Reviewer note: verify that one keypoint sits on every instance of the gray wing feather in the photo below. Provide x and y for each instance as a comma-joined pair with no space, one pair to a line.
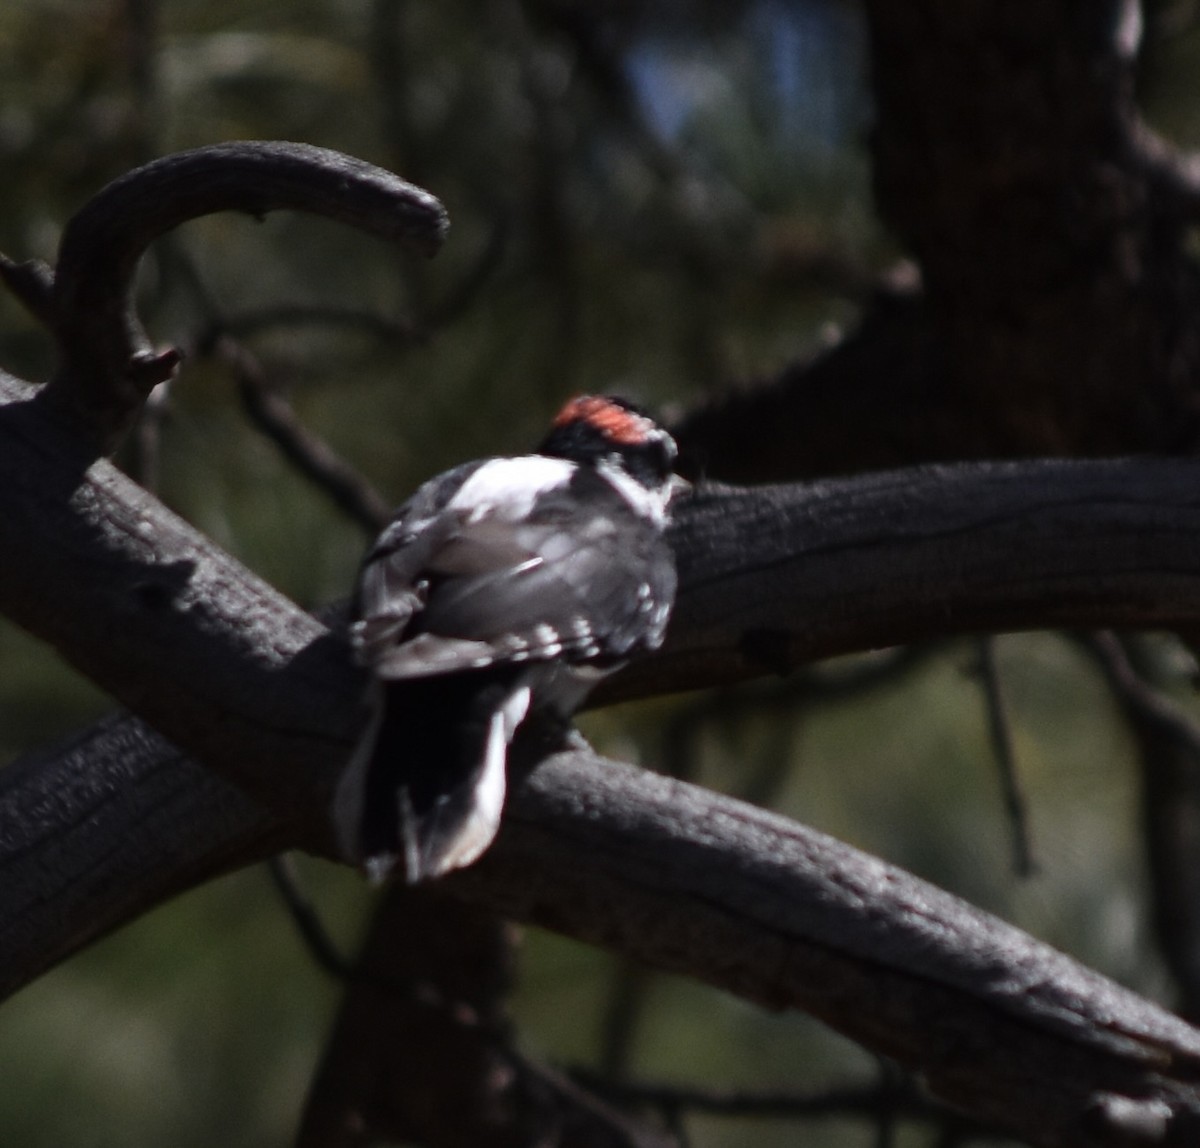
440,594
393,582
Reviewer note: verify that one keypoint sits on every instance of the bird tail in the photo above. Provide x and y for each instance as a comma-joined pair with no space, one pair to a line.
425,785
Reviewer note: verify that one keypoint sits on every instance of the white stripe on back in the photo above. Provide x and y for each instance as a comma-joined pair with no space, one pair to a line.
508,487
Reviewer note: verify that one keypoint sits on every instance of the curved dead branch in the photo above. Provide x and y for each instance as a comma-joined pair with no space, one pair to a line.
108,365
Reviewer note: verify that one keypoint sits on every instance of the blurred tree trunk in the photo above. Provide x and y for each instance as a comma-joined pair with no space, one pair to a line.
1057,310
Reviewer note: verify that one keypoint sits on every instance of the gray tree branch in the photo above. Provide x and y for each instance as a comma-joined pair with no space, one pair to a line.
693,882
265,697
995,1022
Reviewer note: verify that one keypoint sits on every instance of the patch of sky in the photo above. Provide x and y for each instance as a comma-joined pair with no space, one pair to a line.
804,59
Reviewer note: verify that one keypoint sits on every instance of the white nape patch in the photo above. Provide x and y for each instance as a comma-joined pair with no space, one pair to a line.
508,487
484,821
651,504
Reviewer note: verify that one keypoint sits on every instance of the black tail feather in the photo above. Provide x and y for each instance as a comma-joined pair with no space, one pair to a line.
410,796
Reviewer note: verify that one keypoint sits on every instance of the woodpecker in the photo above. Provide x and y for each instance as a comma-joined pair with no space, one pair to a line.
502,588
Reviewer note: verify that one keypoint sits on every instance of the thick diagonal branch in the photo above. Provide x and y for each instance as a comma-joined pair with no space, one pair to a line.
696,883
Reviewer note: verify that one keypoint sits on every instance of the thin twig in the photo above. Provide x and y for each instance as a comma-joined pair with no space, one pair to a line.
891,1100
893,1084
306,919
1000,735
396,332
1140,695
459,297
1168,745
622,1018
806,687
855,1100
311,455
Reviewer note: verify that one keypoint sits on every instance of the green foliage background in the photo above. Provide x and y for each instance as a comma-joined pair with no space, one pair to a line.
655,221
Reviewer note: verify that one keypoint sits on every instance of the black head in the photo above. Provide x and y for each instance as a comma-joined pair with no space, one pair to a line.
592,428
